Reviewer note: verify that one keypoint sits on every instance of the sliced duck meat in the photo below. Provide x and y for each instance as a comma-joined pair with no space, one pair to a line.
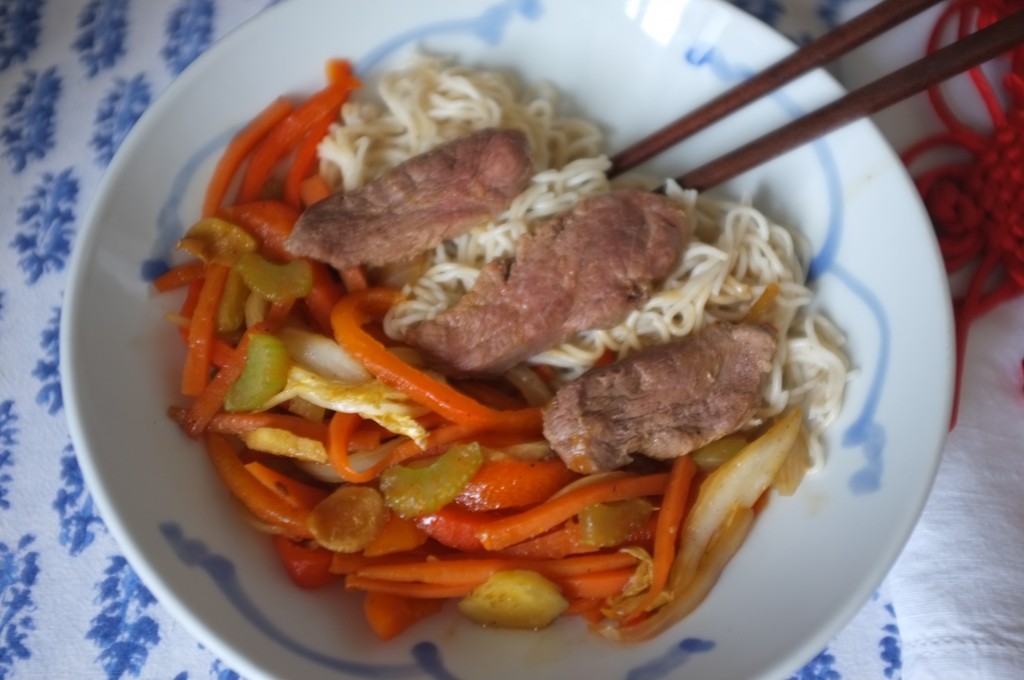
584,269
664,401
417,204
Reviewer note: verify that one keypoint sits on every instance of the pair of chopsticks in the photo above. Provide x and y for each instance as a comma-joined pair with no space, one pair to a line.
942,64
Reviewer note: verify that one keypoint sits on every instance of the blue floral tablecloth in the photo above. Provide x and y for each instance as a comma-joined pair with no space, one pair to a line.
74,77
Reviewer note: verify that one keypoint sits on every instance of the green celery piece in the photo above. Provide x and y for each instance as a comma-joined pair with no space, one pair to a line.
412,492
265,374
275,282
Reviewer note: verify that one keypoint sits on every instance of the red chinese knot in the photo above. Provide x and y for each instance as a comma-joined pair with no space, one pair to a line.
977,205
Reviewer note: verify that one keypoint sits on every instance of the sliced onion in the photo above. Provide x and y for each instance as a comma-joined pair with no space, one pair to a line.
794,468
322,355
534,390
717,524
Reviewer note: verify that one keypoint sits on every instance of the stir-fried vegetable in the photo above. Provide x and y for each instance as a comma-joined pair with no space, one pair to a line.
366,465
719,519
412,492
374,400
515,599
275,282
264,376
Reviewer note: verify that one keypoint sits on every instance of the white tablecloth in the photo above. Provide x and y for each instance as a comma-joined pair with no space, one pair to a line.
76,74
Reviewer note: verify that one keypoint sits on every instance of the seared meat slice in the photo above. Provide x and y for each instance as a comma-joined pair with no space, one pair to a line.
417,204
663,401
581,270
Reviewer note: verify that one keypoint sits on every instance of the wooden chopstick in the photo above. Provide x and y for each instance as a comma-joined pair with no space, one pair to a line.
973,50
845,37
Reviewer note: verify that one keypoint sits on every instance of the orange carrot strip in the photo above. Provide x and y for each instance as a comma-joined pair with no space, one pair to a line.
283,138
598,585
308,567
508,531
347,319
670,519
561,542
763,303
347,563
454,527
339,433
196,372
313,189
464,571
188,305
220,351
416,590
261,501
209,401
397,535
179,276
367,436
295,493
339,71
302,163
589,608
388,615
510,483
279,311
240,423
339,437
324,295
240,147
269,221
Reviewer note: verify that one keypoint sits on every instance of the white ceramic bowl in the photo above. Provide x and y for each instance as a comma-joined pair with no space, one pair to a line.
811,561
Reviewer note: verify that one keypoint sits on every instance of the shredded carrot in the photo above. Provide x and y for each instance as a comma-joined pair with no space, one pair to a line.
302,163
313,189
188,305
196,373
340,71
511,483
339,433
456,528
284,136
670,520
398,535
417,590
558,543
238,149
602,585
476,570
279,311
254,495
589,608
347,319
324,295
388,615
308,567
339,436
210,400
511,530
240,423
295,493
179,276
763,303
269,221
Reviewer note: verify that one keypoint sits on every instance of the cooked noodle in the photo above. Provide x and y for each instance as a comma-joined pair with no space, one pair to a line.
734,254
